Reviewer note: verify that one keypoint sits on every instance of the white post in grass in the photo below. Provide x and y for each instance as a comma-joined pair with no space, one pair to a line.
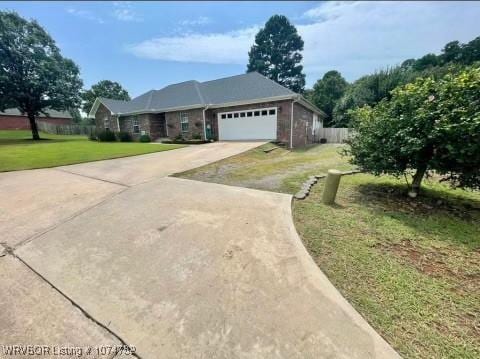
331,186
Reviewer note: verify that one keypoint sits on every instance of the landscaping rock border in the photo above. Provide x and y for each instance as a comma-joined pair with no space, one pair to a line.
312,180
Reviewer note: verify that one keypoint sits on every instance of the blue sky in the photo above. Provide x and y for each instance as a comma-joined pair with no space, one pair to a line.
147,45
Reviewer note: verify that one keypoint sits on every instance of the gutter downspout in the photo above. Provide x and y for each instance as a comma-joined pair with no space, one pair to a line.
291,124
118,124
204,124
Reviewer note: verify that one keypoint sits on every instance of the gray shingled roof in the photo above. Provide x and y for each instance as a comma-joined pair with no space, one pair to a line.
51,113
250,86
245,87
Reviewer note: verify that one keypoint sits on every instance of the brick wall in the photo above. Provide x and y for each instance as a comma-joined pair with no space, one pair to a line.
8,122
103,114
195,123
126,124
302,125
152,124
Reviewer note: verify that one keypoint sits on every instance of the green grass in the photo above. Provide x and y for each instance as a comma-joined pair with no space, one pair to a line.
279,170
19,152
410,267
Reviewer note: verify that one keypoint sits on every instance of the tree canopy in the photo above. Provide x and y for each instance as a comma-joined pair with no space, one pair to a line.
327,91
276,53
427,125
34,77
372,88
368,90
104,88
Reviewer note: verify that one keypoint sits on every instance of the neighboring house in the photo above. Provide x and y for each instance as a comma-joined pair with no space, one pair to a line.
243,107
12,119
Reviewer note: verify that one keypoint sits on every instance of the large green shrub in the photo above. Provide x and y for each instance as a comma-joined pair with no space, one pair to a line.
179,138
106,136
124,136
145,138
428,125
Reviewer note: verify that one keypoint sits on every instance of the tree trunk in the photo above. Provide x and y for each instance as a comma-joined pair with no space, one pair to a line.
33,126
417,180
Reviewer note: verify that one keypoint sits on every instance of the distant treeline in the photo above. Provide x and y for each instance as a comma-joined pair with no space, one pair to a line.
336,97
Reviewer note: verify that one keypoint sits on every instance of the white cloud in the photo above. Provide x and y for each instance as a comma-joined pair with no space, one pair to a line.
85,14
330,10
214,48
201,20
123,11
353,37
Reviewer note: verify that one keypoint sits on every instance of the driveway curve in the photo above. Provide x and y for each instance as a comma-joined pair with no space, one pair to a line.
185,269
114,252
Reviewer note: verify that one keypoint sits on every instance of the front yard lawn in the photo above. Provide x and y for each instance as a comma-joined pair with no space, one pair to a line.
410,267
279,170
19,152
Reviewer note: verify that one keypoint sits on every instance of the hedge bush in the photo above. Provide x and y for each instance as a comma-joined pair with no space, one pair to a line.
145,138
124,136
106,136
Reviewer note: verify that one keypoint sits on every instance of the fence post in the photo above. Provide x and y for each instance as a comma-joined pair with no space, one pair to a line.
331,186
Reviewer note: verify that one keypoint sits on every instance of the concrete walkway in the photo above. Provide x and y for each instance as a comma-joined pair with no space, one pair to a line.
176,268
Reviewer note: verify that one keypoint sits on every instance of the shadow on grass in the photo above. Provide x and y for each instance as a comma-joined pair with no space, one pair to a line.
29,141
447,215
441,197
310,148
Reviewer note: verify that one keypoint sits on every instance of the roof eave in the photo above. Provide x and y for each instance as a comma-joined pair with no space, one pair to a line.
95,106
310,106
160,110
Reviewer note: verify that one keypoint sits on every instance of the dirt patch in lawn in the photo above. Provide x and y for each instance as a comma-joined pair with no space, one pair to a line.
278,170
436,262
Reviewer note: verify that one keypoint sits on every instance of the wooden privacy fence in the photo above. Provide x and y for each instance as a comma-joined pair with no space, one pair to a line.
333,135
65,129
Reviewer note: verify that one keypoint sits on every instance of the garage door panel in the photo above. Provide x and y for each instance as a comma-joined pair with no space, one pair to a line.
248,128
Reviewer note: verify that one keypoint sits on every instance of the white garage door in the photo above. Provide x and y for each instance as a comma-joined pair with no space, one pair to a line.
256,124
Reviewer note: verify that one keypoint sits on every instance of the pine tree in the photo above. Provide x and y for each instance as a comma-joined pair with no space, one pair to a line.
276,53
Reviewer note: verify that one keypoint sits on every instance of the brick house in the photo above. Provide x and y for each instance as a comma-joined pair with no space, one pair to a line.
242,107
12,119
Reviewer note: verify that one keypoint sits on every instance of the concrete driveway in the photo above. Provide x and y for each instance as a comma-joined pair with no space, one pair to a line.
176,268
34,201
138,169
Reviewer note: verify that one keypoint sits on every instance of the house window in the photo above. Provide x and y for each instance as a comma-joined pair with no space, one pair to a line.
271,112
224,115
256,113
235,115
249,114
242,114
229,115
106,124
136,125
264,113
184,121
